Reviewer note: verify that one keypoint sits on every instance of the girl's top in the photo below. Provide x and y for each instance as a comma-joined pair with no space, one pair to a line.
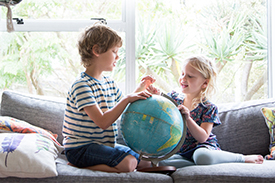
206,112
78,128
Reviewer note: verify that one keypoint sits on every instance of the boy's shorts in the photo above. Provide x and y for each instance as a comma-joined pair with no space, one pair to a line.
95,154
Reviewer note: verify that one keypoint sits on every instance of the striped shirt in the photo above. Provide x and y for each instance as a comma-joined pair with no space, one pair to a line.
78,128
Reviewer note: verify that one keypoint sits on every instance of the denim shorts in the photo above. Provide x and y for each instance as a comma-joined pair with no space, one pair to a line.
95,154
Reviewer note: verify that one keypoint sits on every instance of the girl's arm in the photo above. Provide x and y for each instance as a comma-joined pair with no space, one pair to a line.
200,133
104,120
145,83
153,90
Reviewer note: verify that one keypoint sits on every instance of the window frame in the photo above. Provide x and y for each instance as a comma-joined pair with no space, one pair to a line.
270,47
126,24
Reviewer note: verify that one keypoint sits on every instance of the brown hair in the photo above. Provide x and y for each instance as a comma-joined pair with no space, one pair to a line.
101,36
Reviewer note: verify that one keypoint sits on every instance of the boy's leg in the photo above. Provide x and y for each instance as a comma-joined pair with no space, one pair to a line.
103,158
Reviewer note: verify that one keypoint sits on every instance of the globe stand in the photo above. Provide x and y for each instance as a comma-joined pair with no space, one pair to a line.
155,160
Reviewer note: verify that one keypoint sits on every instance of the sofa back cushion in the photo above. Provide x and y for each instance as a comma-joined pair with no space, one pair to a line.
243,129
47,113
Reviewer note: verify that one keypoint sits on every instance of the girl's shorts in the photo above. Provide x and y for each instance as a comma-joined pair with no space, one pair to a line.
95,154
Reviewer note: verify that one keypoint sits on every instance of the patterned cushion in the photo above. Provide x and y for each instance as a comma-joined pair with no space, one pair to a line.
27,155
269,115
19,126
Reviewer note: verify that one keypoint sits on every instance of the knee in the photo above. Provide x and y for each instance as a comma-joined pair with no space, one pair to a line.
203,157
128,164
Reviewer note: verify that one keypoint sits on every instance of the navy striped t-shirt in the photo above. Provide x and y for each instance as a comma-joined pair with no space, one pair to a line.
78,128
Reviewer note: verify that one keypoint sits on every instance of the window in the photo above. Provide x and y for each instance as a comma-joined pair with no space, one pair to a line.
41,56
231,32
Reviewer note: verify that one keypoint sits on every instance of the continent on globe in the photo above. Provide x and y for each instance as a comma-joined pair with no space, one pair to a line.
152,127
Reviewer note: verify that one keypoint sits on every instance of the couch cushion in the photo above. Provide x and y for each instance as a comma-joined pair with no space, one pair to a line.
68,173
227,172
243,129
27,155
269,115
9,124
47,113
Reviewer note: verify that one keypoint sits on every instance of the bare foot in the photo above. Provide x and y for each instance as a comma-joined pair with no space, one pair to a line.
258,159
71,164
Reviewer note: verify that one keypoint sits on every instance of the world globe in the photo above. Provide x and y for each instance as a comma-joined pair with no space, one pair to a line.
153,127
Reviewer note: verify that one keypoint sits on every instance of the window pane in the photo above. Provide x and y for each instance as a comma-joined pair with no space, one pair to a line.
66,9
45,63
231,32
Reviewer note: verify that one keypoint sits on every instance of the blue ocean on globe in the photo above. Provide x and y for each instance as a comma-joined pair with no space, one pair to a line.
152,127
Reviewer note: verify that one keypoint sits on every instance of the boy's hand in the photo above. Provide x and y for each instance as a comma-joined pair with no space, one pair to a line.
137,96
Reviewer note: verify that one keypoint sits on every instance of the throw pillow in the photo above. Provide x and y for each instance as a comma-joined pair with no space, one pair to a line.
269,115
19,126
27,155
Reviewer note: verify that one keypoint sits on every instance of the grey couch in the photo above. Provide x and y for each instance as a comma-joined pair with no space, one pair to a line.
243,130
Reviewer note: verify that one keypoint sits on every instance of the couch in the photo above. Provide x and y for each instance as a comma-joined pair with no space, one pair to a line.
243,130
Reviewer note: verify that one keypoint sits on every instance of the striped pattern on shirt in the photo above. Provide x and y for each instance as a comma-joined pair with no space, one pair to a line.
78,128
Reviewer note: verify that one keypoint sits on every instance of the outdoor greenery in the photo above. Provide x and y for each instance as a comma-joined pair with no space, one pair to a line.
231,32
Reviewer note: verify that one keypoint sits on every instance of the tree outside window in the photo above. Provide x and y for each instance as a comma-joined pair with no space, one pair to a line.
231,32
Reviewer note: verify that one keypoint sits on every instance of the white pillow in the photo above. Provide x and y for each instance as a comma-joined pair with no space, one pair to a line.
27,155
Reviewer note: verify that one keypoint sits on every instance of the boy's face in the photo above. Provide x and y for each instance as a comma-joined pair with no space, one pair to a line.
109,58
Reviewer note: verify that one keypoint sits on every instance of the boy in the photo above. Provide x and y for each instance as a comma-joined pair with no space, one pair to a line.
94,103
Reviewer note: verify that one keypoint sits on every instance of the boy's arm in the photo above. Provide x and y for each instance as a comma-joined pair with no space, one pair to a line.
104,120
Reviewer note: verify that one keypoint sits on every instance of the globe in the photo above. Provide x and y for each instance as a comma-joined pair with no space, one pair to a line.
152,127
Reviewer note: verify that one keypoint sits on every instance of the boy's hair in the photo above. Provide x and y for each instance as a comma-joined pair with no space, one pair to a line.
101,36
208,70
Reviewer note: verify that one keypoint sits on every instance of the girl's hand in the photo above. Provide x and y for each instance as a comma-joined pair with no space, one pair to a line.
146,81
200,133
153,90
185,111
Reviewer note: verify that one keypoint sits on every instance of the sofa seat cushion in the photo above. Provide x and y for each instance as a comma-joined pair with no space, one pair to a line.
68,173
227,172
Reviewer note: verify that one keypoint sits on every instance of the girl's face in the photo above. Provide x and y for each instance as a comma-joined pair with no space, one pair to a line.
192,81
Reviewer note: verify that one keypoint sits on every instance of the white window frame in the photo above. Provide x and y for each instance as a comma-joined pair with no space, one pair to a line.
126,24
271,47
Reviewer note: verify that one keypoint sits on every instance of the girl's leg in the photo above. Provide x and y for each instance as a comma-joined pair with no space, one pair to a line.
177,161
204,156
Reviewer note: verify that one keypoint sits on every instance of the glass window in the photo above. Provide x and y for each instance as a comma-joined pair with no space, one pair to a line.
67,9
233,33
41,56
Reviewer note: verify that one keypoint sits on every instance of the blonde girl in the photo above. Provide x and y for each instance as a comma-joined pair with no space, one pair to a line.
198,84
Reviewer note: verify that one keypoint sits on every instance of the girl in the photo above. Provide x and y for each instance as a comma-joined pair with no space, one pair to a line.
198,84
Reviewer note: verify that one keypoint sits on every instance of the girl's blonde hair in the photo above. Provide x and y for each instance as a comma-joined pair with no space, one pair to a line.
208,70
101,36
